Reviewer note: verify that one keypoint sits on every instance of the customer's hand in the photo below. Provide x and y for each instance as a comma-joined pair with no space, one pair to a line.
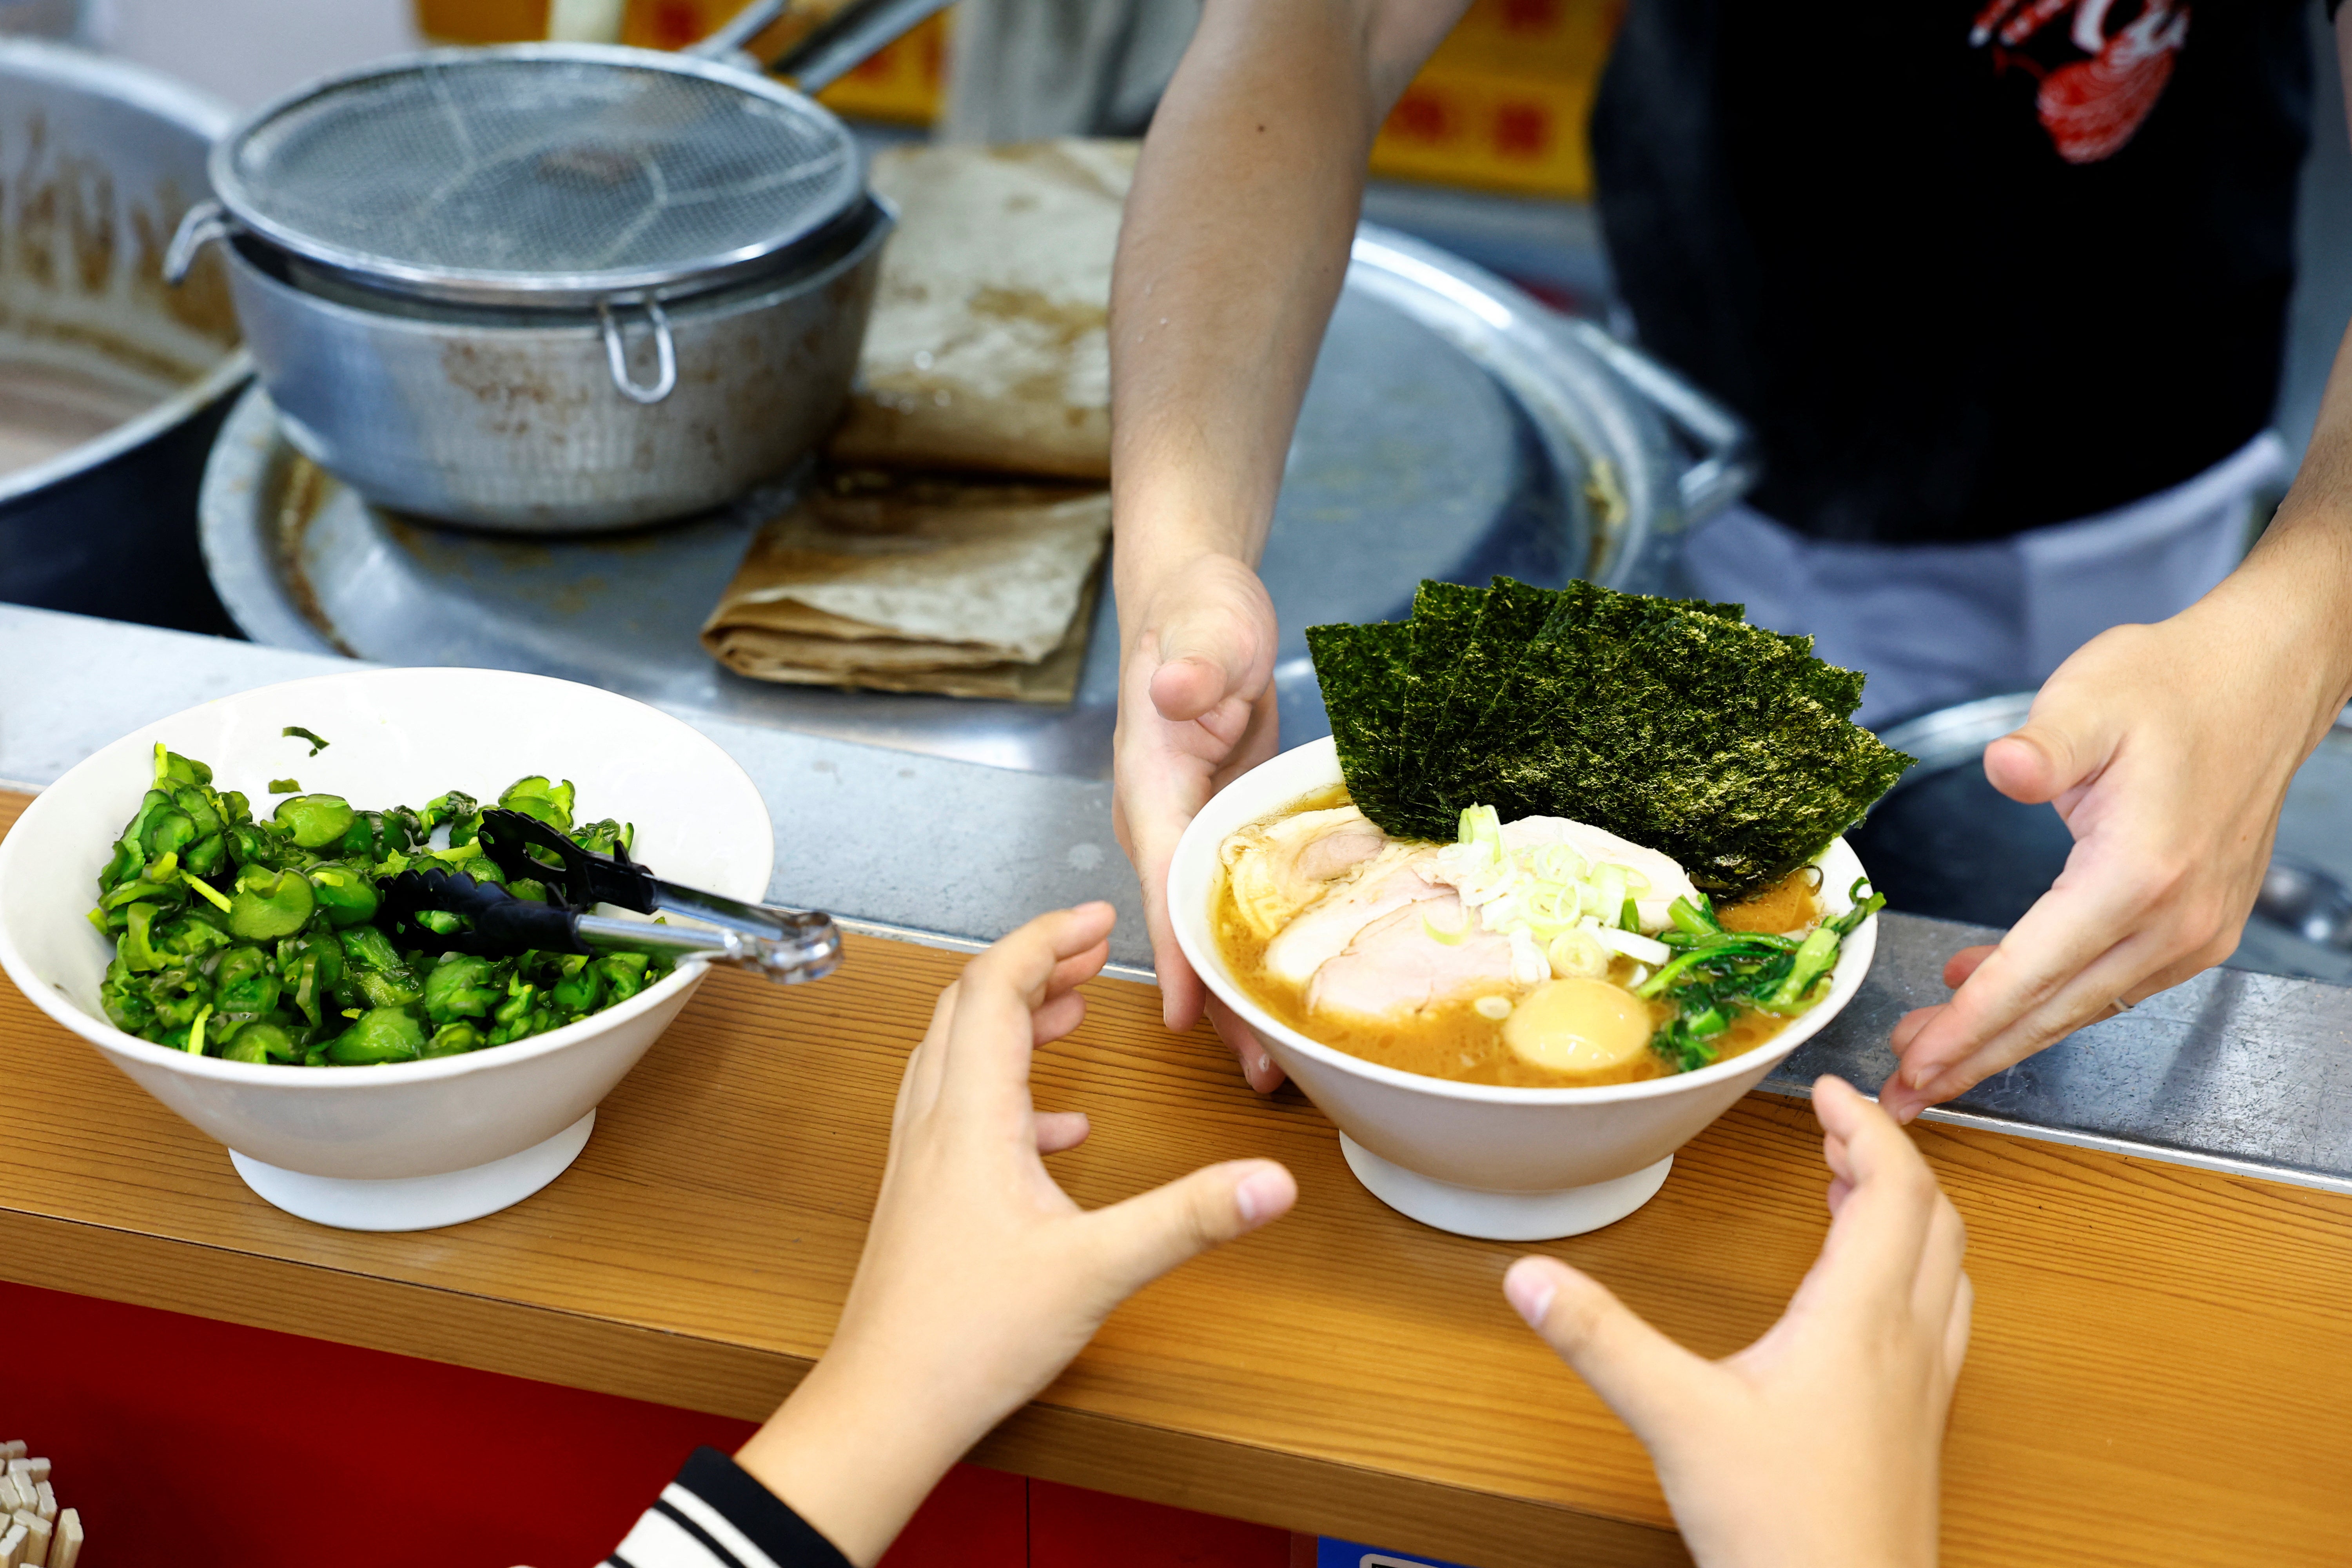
981,1278
2167,750
1820,1445
1196,707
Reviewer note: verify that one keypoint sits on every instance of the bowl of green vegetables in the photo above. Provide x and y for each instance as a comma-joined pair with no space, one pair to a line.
202,901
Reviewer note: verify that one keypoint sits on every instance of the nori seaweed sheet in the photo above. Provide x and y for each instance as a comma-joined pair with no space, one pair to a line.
1445,616
1514,612
1671,723
1361,672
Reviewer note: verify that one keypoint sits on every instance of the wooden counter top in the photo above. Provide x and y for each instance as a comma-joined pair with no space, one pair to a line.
2161,1373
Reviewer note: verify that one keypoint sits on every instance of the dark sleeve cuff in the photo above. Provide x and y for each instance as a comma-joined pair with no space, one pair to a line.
760,1518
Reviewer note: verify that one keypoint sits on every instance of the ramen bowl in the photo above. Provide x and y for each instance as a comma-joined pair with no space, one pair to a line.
408,1145
1491,1161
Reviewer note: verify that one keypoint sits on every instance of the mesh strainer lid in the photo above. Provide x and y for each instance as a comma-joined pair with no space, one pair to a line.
540,173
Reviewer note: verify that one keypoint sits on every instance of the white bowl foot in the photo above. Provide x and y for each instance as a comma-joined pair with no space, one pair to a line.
416,1202
1503,1217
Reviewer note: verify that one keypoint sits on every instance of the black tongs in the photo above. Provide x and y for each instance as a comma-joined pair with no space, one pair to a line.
788,946
525,846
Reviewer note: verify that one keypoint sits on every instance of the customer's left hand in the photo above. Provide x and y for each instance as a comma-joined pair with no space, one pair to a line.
2167,749
981,1278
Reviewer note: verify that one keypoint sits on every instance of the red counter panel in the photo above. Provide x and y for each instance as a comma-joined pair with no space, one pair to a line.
206,1444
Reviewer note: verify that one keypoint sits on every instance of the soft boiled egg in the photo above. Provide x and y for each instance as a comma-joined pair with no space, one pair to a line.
1577,1026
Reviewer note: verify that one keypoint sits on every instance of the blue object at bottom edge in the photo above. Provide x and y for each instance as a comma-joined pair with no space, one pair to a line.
1331,1553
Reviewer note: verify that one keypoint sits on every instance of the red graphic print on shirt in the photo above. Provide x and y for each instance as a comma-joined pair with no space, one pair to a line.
2093,106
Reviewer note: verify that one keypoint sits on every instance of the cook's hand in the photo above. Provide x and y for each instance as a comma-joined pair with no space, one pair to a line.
981,1278
1819,1445
2167,750
1196,707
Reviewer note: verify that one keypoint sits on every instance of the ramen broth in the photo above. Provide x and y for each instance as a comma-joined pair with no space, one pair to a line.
1451,1039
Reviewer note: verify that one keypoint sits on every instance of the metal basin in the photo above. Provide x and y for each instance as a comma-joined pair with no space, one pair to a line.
111,385
511,421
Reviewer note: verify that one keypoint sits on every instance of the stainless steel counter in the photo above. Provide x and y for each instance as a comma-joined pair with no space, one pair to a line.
2233,1070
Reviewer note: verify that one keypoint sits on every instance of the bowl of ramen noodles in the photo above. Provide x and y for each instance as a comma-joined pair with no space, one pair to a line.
1518,968
1519,1083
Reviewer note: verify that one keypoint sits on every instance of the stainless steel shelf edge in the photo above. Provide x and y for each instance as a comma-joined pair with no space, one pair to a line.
2232,1071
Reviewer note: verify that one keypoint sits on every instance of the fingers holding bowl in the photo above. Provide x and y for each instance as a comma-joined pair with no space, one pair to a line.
1149,823
1259,1068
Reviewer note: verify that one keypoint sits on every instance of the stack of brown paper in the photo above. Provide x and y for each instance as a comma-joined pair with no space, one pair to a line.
986,353
988,347
904,583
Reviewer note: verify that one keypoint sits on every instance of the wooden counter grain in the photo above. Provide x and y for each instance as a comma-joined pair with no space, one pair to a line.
2161,1373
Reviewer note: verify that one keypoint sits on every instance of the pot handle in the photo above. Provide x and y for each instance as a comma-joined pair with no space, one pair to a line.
199,226
616,357
830,50
1726,465
738,31
848,39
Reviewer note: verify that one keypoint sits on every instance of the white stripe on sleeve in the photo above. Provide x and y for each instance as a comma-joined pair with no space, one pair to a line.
717,1525
658,1541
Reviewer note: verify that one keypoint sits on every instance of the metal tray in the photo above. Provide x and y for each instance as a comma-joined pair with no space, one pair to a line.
1455,428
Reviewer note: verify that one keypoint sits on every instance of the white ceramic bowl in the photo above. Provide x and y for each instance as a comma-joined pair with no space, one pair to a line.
1484,1160
413,1144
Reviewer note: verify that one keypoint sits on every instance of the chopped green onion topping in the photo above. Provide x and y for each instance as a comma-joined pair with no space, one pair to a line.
1449,938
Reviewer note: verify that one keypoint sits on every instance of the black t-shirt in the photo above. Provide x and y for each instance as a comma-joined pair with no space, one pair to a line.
1961,283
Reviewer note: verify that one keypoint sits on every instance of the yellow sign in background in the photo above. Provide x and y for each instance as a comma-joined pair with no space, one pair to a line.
1502,106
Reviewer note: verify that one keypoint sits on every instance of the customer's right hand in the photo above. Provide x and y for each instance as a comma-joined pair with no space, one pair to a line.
981,1279
1196,707
1818,1446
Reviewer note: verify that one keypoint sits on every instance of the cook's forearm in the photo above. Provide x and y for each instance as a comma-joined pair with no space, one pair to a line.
2297,583
2295,588
1234,249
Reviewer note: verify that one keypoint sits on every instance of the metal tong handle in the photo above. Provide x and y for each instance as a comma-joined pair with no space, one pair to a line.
810,954
832,48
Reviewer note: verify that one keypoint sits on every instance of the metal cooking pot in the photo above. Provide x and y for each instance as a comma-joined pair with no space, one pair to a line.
511,422
112,387
424,364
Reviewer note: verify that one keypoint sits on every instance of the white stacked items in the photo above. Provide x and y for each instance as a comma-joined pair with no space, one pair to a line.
34,1532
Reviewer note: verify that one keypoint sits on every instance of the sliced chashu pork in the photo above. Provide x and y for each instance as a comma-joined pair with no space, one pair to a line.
1394,965
1277,869
1387,882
